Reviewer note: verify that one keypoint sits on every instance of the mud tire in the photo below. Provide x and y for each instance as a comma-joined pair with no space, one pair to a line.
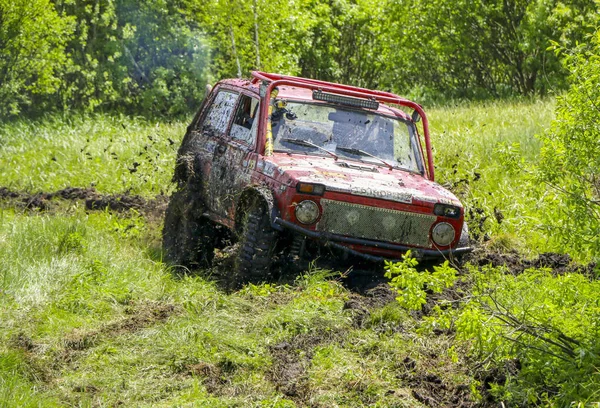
256,245
188,238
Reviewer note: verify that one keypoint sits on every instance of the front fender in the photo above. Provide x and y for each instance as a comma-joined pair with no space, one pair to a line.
264,194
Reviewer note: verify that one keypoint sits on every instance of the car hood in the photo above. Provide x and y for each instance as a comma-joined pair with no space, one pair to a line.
357,178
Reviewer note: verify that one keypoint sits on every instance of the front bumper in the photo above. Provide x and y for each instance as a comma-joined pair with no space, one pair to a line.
334,240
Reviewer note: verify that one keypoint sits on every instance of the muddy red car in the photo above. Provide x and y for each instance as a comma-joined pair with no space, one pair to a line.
287,165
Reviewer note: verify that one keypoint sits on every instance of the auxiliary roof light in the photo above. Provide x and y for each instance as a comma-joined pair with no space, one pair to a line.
345,100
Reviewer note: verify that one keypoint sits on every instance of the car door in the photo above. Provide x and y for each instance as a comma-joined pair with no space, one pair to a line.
235,158
211,142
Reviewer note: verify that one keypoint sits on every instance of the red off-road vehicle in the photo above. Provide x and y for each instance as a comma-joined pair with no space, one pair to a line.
286,161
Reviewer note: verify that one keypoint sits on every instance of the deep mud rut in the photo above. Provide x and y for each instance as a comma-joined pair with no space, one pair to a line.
93,200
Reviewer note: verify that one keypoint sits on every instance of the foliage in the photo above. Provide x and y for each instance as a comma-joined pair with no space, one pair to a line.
154,57
33,37
545,323
570,164
476,49
413,285
548,323
132,56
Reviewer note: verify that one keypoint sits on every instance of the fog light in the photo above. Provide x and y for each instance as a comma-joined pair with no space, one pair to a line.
307,212
443,234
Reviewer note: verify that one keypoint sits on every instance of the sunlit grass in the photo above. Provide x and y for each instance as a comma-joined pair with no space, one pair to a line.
112,154
485,153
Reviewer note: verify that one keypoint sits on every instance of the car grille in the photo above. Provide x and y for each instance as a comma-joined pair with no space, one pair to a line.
374,223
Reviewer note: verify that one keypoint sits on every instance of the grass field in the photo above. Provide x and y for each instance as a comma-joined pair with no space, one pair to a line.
91,316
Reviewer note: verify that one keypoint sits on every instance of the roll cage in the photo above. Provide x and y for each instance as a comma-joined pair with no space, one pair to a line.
268,82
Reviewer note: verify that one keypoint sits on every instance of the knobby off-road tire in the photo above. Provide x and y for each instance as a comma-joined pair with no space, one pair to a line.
256,244
188,238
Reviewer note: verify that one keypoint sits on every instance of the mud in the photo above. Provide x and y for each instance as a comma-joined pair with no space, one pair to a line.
515,263
92,199
142,316
360,306
212,375
291,360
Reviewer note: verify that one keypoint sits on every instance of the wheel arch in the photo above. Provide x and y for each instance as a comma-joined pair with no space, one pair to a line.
266,197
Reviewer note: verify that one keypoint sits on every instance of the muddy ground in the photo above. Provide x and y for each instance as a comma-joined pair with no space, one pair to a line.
92,199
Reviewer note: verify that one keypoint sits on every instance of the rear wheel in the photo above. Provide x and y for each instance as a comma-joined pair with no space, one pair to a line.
256,244
188,238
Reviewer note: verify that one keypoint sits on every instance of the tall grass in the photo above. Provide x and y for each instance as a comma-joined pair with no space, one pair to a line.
485,153
113,154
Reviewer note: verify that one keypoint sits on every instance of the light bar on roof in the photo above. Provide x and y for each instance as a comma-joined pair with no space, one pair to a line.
345,100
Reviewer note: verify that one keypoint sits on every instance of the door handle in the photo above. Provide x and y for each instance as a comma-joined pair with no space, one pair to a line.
222,148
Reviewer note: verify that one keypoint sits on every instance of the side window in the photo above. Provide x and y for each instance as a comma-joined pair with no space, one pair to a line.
246,120
220,112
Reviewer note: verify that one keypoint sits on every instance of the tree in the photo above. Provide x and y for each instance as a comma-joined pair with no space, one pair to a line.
133,56
32,52
493,48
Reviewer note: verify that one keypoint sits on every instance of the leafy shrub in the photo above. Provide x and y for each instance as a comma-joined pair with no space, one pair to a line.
570,163
548,324
412,285
32,52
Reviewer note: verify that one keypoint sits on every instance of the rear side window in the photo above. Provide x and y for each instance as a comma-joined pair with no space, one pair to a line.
220,112
245,121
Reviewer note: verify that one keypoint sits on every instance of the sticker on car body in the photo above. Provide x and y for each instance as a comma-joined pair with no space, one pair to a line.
398,196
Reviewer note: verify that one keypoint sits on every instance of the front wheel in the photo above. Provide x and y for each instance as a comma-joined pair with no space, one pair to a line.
256,244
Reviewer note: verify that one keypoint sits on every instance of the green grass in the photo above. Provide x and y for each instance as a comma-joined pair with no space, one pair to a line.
484,152
96,151
91,316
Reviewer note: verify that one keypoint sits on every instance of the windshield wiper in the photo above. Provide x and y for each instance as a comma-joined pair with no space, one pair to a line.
306,143
359,152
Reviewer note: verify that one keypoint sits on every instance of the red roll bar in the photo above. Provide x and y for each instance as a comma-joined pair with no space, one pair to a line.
274,80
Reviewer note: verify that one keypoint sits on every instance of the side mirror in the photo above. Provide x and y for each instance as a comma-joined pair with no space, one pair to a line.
416,117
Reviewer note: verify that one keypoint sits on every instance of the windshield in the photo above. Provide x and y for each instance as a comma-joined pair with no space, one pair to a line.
345,133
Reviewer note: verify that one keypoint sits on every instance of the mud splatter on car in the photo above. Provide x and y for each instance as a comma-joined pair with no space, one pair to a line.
290,165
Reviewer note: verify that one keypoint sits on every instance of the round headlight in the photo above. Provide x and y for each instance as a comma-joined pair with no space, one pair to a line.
443,234
307,212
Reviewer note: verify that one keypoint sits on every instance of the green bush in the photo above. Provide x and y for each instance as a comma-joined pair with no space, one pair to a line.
32,52
570,163
545,324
